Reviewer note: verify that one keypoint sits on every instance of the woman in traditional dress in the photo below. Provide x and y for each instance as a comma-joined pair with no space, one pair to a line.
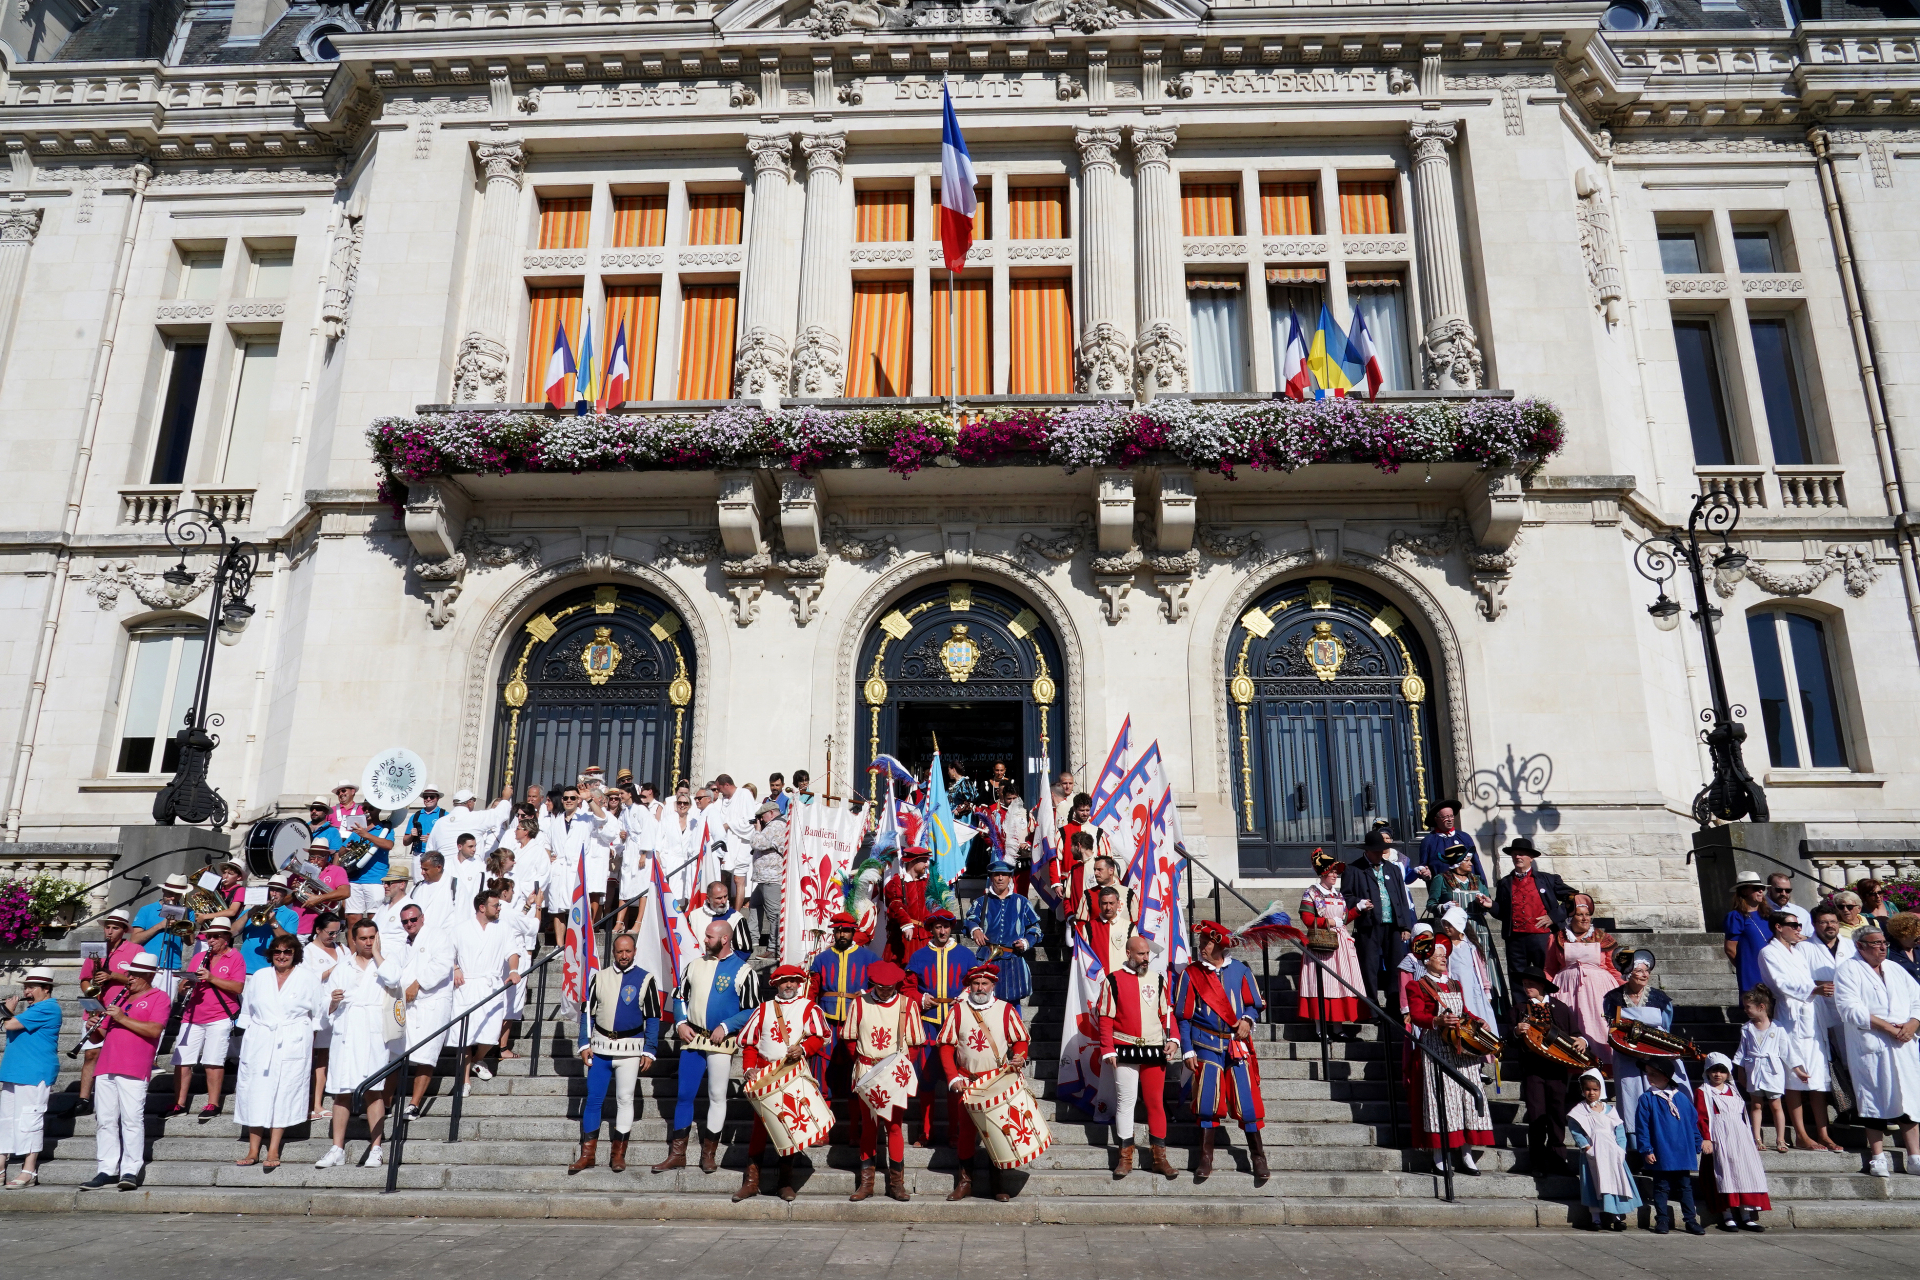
1458,885
1466,963
1322,907
1580,962
1739,1179
1636,998
1606,1184
1435,1004
360,998
278,1009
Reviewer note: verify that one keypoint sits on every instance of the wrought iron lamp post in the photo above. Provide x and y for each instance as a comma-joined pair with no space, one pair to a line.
188,798
1732,794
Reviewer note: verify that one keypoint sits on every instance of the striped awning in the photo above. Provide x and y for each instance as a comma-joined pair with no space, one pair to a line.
1296,275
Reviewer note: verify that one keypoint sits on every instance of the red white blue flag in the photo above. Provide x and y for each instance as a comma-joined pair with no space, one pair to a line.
1362,361
560,370
957,199
578,963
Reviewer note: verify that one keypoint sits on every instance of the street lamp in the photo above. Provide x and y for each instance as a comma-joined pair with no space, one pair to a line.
188,798
1732,794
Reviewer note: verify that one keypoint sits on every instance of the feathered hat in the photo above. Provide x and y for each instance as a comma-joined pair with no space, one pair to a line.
1323,861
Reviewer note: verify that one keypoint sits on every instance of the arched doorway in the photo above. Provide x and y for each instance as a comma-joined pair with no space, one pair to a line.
600,676
1332,726
971,665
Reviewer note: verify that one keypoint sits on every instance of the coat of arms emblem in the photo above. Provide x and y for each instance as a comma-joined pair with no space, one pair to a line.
1325,653
959,654
601,657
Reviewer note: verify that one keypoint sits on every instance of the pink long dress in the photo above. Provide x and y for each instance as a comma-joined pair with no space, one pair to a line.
1584,982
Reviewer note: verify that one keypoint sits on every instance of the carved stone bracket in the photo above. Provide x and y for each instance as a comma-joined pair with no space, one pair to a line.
1492,590
1127,562
1173,595
819,368
1854,564
477,550
1103,361
1496,504
1114,590
805,593
760,365
746,601
1491,567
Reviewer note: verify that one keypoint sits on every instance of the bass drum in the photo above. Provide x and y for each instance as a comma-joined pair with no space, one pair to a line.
274,842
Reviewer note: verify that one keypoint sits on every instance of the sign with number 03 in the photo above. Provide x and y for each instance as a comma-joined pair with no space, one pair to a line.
394,779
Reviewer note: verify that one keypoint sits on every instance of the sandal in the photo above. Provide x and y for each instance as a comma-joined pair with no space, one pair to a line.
1834,1146
1781,1146
269,1164
247,1162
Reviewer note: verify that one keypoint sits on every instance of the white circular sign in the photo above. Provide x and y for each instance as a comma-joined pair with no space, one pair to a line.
394,779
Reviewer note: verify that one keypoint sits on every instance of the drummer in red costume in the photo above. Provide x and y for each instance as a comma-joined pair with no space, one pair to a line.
1107,932
936,975
982,1034
907,904
1138,1038
784,1029
838,976
883,1024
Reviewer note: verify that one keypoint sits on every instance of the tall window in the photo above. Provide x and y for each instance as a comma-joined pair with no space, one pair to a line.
1774,359
1366,208
1292,291
639,222
1289,209
553,310
252,399
982,213
177,411
974,326
715,217
635,308
707,316
1706,398
1042,335
1217,317
1798,705
1037,213
563,222
1680,253
161,671
882,345
1380,297
1210,209
1754,252
882,216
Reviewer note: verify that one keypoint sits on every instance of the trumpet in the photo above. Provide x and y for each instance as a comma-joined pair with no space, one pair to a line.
262,914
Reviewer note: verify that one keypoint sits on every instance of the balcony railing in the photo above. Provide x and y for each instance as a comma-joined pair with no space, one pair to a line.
1746,486
1805,488
150,506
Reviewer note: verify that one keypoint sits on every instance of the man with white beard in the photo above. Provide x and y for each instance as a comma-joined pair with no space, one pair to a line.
983,1033
393,934
426,958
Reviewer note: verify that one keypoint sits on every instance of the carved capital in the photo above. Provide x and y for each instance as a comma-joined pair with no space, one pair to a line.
480,371
20,226
1152,145
819,369
1104,361
824,151
760,364
503,161
1099,148
1159,360
1430,139
771,152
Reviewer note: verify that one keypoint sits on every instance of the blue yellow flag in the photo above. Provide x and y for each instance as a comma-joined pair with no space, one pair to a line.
1325,352
949,853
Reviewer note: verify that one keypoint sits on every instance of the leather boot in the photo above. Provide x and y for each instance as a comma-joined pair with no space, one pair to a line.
897,1184
749,1185
1124,1165
962,1184
787,1189
1260,1171
709,1153
1161,1165
588,1148
1000,1192
617,1160
676,1154
1204,1169
865,1187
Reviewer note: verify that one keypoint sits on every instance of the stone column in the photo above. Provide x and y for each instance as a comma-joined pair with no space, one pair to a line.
760,357
1104,342
1160,350
819,354
1449,348
19,225
480,368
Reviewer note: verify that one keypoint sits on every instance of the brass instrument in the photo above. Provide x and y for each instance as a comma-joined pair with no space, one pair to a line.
91,988
1645,1041
183,928
205,904
304,888
1537,1034
262,914
1470,1037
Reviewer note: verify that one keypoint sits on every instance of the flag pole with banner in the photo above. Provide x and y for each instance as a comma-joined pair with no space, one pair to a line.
577,978
1083,1079
666,941
957,205
1115,768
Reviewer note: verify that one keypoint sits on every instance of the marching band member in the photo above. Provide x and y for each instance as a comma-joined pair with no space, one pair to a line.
486,956
880,1024
936,975
718,906
273,919
363,862
333,894
906,897
279,1008
419,827
360,996
1139,1037
107,977
213,1002
28,1070
1005,929
715,999
149,929
785,1029
624,1016
1216,1003
836,978
426,957
982,1035
135,1018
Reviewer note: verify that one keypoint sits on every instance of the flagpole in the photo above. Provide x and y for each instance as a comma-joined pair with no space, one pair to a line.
953,350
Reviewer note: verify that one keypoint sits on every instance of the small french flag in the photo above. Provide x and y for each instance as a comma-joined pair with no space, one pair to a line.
957,200
560,370
1362,361
1293,361
614,389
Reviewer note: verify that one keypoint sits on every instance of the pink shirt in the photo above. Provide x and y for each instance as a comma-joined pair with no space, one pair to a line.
333,878
213,1004
127,1054
116,961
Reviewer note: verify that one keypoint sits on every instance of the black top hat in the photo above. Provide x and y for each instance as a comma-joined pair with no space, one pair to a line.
1522,844
1534,972
1433,810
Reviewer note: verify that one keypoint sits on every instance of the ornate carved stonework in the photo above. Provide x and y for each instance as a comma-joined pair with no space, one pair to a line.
1450,356
1103,360
1491,568
1160,359
848,547
478,550
343,273
1604,284
687,551
819,369
1064,547
1099,148
1152,145
1854,564
20,224
760,364
1429,140
480,371
111,577
503,161
824,151
830,18
772,153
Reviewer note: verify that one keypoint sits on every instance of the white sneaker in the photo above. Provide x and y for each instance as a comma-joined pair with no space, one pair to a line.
413,1112
1880,1166
334,1156
373,1158
480,1071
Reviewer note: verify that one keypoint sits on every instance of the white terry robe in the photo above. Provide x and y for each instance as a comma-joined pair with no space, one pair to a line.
1790,972
1886,1075
482,955
427,960
276,1054
360,1046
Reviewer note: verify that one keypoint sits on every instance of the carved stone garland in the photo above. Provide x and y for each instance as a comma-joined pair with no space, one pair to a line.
477,550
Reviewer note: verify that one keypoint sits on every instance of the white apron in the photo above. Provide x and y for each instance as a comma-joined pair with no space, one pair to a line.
1606,1158
1736,1163
276,1054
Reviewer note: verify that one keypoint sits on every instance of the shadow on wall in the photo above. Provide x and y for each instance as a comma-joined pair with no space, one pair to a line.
1513,795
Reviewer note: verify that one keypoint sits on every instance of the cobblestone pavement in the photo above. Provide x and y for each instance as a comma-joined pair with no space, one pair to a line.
194,1246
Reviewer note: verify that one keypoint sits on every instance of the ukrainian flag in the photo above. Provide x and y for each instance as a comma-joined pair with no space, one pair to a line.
586,376
1325,352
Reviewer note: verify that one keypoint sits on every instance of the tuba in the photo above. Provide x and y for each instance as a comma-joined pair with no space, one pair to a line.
1537,1034
1644,1041
205,904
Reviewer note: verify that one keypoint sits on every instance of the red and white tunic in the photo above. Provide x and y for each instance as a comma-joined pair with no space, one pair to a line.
776,1026
979,1040
1108,942
1135,1009
875,1029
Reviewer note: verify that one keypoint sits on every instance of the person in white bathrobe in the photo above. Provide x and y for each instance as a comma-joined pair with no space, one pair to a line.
279,1007
1790,966
486,959
426,960
1879,1008
360,996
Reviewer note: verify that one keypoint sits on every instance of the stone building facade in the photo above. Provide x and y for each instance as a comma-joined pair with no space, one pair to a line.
232,238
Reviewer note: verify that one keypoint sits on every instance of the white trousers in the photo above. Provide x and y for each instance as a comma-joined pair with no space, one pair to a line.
626,1077
719,1071
203,1044
120,1120
23,1118
1126,1092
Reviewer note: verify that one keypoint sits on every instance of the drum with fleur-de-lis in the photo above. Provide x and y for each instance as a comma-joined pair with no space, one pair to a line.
789,1103
886,1087
1004,1111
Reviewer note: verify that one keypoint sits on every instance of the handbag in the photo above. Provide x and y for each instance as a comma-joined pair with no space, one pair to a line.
1321,938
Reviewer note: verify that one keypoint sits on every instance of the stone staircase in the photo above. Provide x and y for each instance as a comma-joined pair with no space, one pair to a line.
1331,1138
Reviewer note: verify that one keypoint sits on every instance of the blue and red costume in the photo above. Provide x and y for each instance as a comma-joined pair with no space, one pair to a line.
939,972
835,981
1210,1003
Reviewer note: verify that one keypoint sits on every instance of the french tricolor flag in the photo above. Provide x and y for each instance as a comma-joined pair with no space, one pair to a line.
614,389
1298,382
957,201
1362,361
560,370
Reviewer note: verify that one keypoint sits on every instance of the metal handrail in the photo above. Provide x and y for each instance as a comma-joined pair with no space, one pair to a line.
1811,873
146,885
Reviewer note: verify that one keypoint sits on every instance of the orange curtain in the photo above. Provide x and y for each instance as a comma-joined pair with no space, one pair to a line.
973,316
1210,209
715,219
882,346
635,307
1042,324
1037,213
706,340
551,309
563,223
882,215
639,222
982,223
1366,208
1287,209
